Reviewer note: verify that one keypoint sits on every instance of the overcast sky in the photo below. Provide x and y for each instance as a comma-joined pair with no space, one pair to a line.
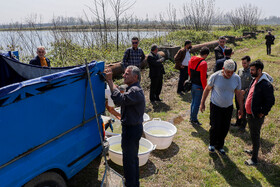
19,10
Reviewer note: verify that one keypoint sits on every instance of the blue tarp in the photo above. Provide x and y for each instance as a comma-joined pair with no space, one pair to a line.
13,71
13,87
35,111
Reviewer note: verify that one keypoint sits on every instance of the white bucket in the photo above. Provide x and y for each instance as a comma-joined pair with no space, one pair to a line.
117,124
116,156
146,117
159,132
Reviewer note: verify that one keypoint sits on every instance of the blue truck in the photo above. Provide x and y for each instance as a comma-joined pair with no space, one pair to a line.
48,126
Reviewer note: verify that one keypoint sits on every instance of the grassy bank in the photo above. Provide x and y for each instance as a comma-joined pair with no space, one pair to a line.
187,161
66,53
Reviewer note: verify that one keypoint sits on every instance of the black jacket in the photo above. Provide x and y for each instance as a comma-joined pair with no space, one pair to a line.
263,96
269,39
220,64
218,52
36,61
155,65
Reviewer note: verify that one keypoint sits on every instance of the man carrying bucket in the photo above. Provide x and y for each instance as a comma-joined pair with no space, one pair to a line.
132,103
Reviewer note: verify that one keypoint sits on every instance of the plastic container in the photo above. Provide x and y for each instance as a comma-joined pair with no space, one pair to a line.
146,117
117,124
116,156
159,132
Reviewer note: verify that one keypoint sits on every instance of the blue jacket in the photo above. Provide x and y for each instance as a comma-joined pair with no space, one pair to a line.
36,61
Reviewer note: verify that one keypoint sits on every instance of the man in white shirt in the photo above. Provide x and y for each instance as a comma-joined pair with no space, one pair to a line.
181,63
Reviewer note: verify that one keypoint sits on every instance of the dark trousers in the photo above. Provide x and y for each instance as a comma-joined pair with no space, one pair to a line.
255,125
268,49
220,122
155,88
182,78
240,122
130,144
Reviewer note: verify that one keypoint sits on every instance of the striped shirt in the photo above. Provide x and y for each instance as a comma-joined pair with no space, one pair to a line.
133,57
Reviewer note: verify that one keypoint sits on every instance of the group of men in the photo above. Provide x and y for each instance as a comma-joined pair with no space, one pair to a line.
251,86
254,96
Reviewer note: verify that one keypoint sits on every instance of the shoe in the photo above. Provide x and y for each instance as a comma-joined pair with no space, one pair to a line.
211,149
250,162
222,151
195,122
249,152
158,99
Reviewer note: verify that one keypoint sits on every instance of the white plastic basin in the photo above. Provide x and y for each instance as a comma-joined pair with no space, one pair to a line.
146,117
117,124
160,133
116,156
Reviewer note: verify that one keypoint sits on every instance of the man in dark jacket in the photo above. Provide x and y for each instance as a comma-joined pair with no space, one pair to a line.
40,59
181,63
269,41
219,50
259,101
220,62
156,73
132,103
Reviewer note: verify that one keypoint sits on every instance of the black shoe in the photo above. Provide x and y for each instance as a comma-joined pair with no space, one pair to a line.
222,151
249,152
158,99
211,149
195,122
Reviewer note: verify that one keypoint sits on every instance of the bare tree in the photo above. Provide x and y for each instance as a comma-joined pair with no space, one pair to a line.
119,7
198,14
172,16
99,11
245,16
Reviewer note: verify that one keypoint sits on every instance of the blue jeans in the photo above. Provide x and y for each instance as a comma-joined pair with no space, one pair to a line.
130,144
196,98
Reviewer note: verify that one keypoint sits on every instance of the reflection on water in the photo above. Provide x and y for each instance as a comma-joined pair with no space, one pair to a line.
27,41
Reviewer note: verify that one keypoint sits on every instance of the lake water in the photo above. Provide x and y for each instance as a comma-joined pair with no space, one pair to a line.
27,41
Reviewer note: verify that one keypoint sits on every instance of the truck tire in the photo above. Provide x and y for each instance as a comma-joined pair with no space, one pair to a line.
48,179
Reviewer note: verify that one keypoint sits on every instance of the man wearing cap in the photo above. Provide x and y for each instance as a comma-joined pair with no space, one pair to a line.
156,73
223,85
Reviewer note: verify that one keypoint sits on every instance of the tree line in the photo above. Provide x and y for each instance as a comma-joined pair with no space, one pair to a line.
96,26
